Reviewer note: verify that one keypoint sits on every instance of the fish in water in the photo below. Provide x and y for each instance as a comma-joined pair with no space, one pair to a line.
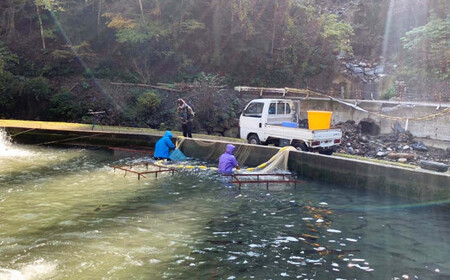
100,207
224,242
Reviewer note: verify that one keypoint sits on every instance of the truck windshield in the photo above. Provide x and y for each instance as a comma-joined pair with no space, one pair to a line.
254,110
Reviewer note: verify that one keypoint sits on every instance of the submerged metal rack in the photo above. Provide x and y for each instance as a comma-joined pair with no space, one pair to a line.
128,168
283,178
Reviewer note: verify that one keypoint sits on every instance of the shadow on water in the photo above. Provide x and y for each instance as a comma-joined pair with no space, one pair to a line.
150,196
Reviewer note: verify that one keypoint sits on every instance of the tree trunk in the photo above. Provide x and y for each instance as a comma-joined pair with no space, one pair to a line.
40,25
181,15
274,25
11,26
99,13
217,31
142,9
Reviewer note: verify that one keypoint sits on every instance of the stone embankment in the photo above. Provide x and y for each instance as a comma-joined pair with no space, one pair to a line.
399,146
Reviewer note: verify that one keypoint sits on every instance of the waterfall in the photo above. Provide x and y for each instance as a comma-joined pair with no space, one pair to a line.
8,149
5,142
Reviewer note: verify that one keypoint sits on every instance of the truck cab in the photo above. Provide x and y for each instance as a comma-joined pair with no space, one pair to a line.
275,121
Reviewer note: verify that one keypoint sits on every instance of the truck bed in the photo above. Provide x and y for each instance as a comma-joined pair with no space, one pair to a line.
284,132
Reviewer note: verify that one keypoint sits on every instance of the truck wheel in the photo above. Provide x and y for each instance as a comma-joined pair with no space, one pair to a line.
301,146
253,139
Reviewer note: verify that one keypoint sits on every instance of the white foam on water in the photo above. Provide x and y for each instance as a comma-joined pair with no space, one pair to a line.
334,230
39,269
7,149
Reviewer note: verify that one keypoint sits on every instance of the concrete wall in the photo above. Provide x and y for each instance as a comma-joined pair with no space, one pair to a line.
437,128
417,185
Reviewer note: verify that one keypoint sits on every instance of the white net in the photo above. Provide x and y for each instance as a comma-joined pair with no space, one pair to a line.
278,162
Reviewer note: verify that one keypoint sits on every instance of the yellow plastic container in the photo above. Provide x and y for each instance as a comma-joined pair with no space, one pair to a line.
319,119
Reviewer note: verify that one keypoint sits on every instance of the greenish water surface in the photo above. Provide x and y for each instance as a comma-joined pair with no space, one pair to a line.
65,214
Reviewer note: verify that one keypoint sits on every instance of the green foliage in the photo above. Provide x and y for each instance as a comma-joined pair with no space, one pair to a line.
63,107
7,101
38,88
427,49
391,93
274,43
337,33
147,105
7,59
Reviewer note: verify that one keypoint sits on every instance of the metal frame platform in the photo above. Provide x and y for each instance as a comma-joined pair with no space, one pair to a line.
128,168
285,178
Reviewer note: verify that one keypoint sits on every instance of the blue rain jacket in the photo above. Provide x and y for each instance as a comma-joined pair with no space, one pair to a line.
163,145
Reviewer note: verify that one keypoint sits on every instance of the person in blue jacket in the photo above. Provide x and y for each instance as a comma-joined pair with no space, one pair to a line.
163,146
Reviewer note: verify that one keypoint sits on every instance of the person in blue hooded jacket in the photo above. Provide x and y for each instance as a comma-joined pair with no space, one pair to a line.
163,146
227,161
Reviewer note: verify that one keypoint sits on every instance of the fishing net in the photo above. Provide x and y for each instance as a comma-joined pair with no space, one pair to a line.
242,152
177,155
278,162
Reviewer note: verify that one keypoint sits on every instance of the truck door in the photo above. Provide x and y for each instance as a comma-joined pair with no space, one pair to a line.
251,119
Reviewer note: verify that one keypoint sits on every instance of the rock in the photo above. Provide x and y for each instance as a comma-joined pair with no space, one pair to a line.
432,165
357,70
402,160
363,139
350,151
406,147
379,70
397,128
419,146
369,71
349,144
381,154
400,155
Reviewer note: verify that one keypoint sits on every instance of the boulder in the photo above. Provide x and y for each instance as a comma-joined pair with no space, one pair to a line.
400,155
419,146
432,165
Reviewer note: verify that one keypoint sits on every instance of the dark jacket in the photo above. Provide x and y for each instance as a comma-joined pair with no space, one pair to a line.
185,113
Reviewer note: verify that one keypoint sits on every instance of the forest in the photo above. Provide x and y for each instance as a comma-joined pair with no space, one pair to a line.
59,57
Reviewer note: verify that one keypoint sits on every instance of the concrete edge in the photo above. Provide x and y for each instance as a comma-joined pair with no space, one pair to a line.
418,185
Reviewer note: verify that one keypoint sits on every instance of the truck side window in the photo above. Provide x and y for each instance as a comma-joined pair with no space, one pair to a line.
254,110
272,109
280,108
288,108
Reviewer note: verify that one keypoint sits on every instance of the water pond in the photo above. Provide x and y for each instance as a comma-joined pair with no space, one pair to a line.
65,214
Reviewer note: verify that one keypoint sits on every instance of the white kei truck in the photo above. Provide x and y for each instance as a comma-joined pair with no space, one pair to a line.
275,121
